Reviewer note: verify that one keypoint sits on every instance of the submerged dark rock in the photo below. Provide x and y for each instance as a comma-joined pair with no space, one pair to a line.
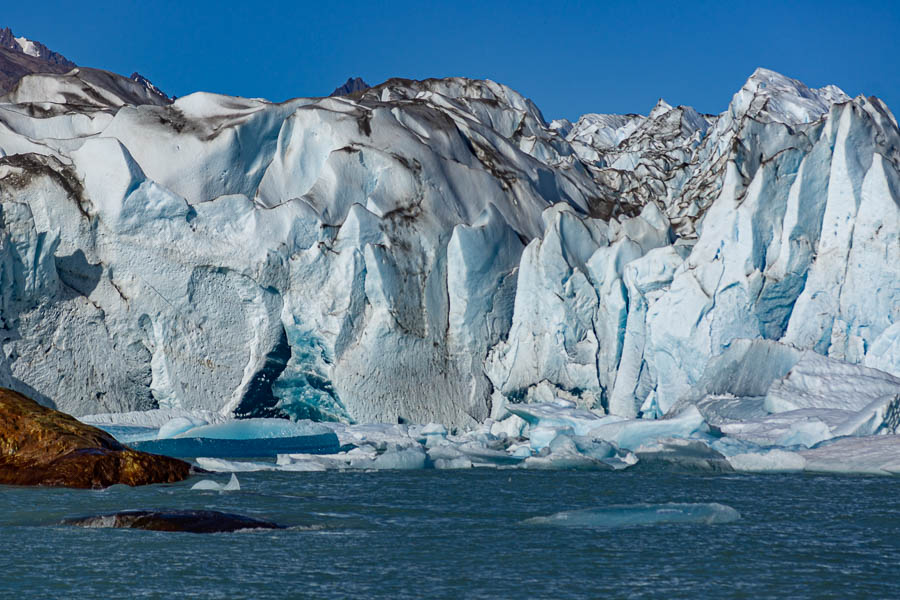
42,446
189,521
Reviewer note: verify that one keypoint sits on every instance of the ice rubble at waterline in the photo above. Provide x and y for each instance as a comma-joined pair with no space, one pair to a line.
567,294
720,432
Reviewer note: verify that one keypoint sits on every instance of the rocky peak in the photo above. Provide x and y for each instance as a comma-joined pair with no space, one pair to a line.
32,48
353,84
150,87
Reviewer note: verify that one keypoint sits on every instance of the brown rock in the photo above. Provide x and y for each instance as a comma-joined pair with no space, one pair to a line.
42,446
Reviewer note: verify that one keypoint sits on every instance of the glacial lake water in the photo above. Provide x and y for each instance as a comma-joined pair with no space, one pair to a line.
464,534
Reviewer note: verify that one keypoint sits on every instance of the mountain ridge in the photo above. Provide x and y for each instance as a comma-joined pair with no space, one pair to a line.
20,56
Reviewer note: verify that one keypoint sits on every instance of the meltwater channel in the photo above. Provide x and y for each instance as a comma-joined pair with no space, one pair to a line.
468,534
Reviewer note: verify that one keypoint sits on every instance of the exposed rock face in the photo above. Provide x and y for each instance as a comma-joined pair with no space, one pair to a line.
42,446
189,521
141,80
20,56
353,84
9,41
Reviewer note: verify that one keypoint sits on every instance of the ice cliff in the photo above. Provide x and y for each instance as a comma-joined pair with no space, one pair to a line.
435,251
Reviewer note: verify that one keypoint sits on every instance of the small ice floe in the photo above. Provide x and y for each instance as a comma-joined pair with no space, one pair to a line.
233,485
631,515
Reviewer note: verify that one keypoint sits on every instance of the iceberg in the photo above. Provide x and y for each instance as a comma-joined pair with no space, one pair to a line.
220,465
177,426
820,382
634,433
392,458
769,461
255,429
634,515
877,455
243,439
682,454
233,485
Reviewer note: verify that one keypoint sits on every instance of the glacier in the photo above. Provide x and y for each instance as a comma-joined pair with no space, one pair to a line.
718,289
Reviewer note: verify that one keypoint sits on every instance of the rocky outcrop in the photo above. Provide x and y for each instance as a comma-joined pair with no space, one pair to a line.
189,521
21,56
42,446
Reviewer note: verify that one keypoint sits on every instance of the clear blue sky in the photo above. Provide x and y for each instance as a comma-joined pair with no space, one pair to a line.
569,57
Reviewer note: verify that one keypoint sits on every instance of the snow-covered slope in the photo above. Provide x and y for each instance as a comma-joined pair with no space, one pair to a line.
435,251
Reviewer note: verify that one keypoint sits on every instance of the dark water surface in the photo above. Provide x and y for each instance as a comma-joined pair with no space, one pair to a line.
461,534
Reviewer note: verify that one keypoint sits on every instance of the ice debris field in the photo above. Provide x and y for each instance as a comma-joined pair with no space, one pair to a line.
713,291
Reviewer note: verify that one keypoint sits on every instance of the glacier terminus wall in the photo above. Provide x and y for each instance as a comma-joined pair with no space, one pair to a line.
435,250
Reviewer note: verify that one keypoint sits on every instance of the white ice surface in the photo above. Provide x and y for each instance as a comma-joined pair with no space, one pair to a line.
233,485
251,429
611,517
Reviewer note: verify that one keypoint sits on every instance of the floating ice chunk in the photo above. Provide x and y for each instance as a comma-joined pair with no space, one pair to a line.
542,436
568,462
692,455
184,447
243,439
400,459
378,434
807,427
482,456
807,432
218,465
511,427
448,456
453,463
820,382
304,467
361,457
611,517
154,418
129,434
366,457
256,429
179,425
566,451
208,485
519,450
874,455
880,416
431,434
433,429
233,485
560,414
633,433
768,461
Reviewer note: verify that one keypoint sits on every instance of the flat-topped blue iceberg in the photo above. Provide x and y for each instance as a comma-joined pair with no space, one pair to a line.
249,438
